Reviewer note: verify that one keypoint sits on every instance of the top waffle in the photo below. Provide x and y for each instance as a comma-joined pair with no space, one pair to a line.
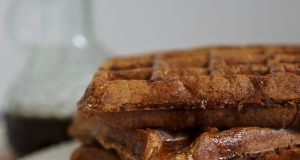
217,86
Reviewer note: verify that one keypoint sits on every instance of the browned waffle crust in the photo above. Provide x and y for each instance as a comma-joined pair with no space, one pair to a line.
93,153
205,143
236,143
214,86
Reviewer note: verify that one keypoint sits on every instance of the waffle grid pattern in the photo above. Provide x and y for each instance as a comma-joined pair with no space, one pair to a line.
247,60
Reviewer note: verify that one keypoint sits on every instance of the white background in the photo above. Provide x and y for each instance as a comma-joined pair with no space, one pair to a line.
134,26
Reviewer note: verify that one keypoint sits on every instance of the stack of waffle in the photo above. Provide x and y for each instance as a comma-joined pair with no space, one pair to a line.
221,102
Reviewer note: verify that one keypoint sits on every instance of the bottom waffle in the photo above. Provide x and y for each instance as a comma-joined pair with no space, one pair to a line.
206,143
93,153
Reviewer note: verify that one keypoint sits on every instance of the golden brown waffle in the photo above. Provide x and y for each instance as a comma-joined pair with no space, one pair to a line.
226,86
236,143
93,153
209,143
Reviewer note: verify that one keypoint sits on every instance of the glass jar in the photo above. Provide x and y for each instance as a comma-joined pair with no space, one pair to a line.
42,99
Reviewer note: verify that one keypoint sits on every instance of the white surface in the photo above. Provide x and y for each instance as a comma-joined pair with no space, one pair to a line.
62,151
134,26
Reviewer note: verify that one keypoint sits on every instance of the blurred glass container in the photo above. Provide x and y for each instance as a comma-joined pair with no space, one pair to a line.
42,100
